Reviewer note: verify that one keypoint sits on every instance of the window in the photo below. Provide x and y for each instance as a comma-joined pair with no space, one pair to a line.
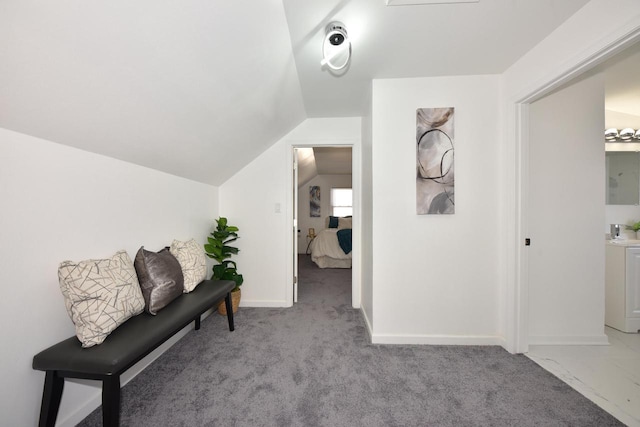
341,202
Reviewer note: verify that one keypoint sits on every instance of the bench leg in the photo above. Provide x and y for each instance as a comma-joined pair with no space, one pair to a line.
197,321
227,303
51,396
111,401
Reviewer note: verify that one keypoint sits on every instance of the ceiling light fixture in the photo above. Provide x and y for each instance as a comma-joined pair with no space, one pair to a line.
336,47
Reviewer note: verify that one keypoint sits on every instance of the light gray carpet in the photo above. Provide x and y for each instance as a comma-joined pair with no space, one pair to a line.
313,365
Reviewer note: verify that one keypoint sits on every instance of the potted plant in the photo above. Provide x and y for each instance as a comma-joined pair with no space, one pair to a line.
218,248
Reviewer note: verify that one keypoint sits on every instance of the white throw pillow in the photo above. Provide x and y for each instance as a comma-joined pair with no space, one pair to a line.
190,256
344,223
100,295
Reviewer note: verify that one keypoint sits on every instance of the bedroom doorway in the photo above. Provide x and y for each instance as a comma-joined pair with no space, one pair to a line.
319,172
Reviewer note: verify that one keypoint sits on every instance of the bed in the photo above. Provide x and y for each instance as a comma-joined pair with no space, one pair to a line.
331,248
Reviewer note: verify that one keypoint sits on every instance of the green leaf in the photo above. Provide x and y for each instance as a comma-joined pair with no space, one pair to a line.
231,240
238,279
230,250
220,235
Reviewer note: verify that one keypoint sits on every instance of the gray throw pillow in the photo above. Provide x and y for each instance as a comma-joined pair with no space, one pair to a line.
160,278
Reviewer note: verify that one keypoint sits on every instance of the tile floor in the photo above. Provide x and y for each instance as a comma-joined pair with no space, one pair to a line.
607,375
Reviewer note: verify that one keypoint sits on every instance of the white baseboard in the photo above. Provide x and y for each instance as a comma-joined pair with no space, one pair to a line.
438,339
569,340
82,412
367,323
432,339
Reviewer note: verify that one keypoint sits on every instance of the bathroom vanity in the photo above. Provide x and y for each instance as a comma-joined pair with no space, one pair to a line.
622,285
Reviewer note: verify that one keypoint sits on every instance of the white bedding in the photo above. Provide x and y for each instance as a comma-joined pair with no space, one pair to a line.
326,251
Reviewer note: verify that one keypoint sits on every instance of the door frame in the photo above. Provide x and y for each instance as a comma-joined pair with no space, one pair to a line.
295,225
356,185
517,325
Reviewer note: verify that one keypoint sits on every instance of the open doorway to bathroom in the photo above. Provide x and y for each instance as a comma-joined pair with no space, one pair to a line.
575,189
570,175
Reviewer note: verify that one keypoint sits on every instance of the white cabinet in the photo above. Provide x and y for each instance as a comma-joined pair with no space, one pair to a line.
622,290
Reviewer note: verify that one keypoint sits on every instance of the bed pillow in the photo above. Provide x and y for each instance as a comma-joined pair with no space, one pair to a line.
100,295
193,263
345,223
160,278
333,222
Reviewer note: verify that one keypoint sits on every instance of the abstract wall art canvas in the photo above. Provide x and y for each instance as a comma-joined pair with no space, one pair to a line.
314,201
434,161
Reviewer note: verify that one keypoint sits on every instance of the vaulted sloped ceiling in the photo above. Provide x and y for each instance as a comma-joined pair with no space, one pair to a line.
194,88
200,88
323,161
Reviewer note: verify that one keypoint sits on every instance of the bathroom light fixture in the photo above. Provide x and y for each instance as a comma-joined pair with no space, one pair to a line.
611,134
625,135
336,47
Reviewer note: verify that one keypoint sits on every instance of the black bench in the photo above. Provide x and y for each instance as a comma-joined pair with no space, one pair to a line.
124,347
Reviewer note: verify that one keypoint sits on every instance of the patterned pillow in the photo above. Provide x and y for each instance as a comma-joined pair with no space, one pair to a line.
100,295
160,278
191,257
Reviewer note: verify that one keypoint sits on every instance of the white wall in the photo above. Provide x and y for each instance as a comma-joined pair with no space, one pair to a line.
326,183
566,195
435,277
581,42
250,200
62,203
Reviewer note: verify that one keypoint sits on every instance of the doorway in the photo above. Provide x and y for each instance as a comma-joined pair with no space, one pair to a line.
582,260
319,171
518,329
566,197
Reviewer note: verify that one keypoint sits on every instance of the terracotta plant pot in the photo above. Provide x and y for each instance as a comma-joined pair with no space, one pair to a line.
235,302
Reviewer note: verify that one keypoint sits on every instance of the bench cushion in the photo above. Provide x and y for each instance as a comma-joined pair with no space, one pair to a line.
134,339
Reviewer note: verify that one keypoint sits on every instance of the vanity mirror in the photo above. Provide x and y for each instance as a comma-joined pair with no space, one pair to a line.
623,177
